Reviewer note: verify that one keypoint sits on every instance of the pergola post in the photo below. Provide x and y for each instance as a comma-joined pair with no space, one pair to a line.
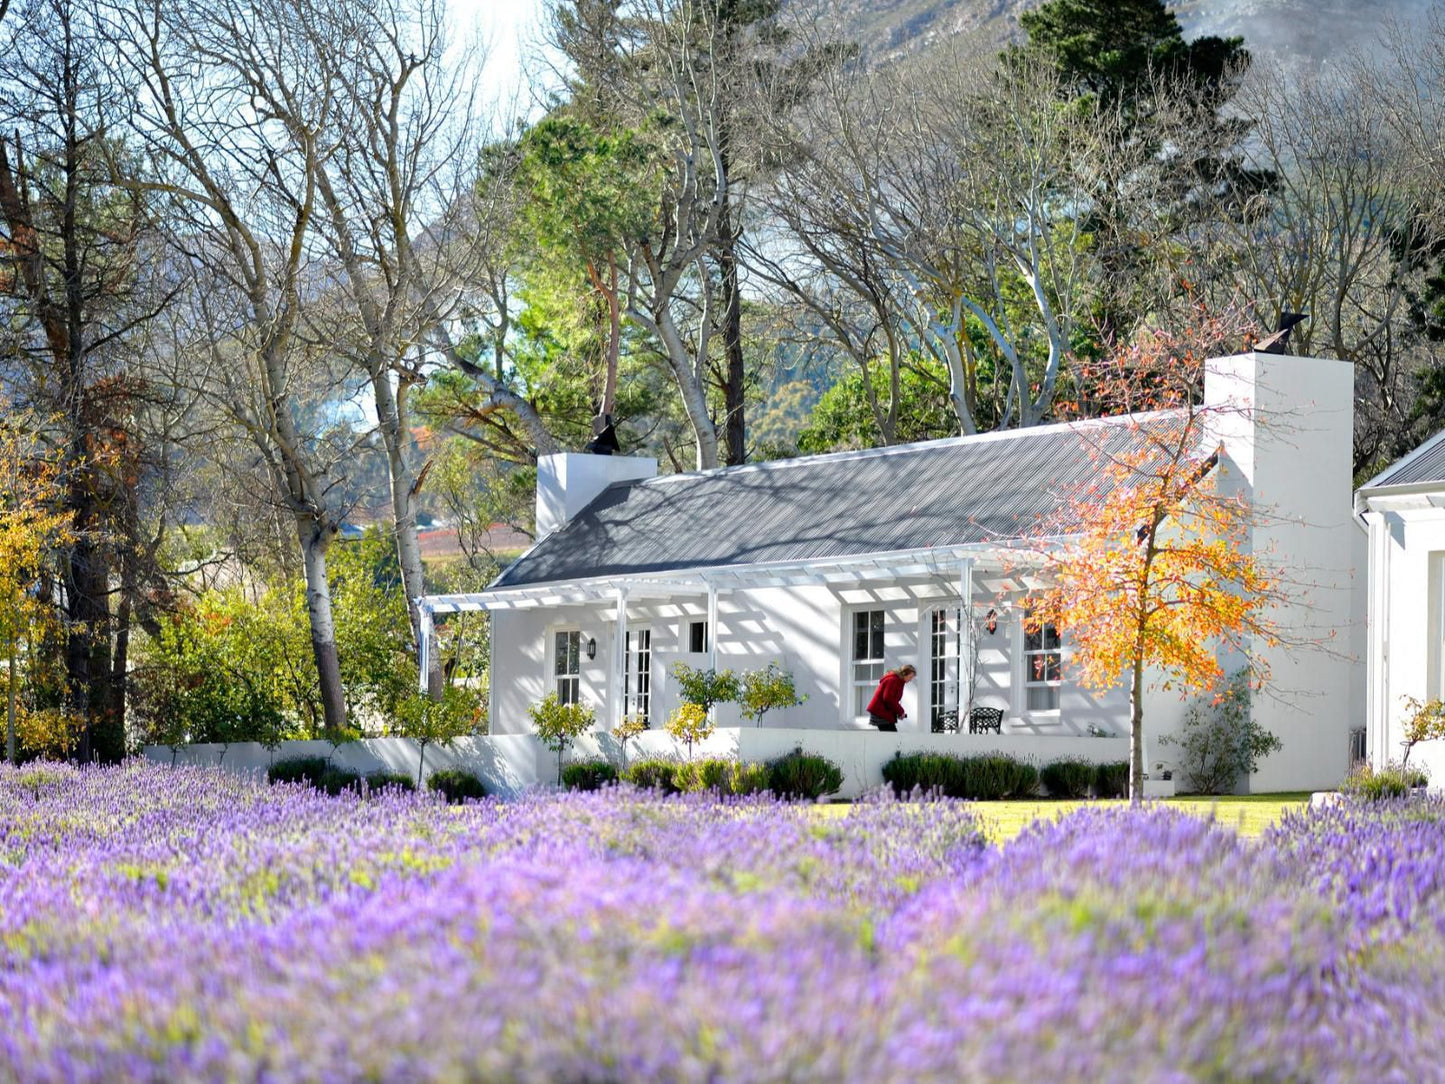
619,661
966,634
712,626
424,645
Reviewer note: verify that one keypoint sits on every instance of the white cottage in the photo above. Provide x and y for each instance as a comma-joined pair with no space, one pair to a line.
1402,510
839,566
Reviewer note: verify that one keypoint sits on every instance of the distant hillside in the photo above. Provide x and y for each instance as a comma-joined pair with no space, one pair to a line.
1309,31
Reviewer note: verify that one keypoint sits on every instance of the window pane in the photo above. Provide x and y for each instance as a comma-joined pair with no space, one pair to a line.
1043,697
876,628
697,637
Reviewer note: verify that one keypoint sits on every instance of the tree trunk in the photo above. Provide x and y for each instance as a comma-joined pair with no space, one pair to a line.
694,398
735,386
315,541
1136,732
405,483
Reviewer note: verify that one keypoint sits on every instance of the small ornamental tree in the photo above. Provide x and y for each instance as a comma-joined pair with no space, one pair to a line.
690,724
626,730
559,724
1426,722
766,690
1150,568
706,688
437,722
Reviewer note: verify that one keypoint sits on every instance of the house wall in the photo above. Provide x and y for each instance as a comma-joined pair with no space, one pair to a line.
1409,566
807,631
1287,447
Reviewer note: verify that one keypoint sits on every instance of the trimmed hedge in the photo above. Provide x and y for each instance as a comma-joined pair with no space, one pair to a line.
652,774
382,778
588,775
989,776
1111,780
804,775
308,770
1069,777
720,776
334,780
456,785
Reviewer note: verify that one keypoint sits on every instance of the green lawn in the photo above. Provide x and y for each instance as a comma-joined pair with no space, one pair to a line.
1248,814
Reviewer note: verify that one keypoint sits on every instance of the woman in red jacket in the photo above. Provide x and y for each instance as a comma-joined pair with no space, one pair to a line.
886,707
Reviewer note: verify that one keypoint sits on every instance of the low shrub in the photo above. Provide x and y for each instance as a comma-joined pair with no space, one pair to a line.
653,773
382,778
334,780
720,776
1391,781
456,785
308,770
989,776
1069,777
1111,780
804,775
588,775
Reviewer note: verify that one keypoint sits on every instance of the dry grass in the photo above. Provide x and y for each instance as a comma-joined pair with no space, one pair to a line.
1248,814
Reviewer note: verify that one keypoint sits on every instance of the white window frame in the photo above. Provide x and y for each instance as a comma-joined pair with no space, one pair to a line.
688,626
860,691
1027,655
554,676
637,666
946,671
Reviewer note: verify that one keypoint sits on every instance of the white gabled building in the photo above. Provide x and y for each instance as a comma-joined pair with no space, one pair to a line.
1403,510
839,566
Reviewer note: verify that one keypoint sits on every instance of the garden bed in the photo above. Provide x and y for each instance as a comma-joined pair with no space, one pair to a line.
196,925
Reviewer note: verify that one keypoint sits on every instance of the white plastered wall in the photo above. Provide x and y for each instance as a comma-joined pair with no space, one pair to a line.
1409,566
1288,446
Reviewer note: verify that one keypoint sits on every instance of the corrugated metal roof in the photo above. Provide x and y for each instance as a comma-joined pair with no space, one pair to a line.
1425,464
919,496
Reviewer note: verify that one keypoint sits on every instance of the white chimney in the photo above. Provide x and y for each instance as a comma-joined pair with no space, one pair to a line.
568,482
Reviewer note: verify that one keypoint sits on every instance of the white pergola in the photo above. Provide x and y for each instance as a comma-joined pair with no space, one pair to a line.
946,562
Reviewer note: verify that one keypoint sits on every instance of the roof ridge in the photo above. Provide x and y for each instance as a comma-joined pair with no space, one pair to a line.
903,449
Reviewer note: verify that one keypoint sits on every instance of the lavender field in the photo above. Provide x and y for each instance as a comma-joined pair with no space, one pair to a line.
188,925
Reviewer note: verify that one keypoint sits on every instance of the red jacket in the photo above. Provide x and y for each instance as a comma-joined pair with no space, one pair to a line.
887,702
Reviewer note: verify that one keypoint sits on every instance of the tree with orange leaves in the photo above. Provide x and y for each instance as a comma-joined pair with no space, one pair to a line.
1153,575
33,524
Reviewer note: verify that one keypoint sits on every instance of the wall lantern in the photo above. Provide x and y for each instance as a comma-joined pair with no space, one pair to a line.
591,648
992,623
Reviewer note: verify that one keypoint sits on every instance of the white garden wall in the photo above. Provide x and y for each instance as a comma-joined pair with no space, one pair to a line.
509,764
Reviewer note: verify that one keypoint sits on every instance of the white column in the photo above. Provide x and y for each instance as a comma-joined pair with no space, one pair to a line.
712,629
424,648
1377,716
619,659
965,643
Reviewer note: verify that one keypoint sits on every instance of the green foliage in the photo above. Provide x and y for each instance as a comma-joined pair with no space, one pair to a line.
334,780
989,776
844,419
719,775
1109,48
588,775
804,775
456,785
1425,722
1220,741
1111,780
1069,777
690,724
438,722
766,690
706,688
1391,781
308,770
625,731
384,778
653,773
559,724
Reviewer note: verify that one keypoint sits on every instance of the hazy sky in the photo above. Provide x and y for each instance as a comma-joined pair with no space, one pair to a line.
509,27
